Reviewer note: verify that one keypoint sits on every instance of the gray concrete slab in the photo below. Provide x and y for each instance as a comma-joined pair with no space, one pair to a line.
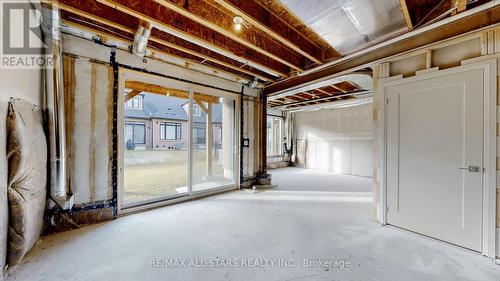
290,223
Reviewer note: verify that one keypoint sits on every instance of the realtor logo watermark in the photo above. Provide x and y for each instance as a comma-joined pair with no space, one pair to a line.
23,44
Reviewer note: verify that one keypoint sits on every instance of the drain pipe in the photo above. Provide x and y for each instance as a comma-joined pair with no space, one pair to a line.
141,39
59,191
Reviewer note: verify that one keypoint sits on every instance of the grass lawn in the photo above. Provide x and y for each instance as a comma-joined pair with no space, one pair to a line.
149,174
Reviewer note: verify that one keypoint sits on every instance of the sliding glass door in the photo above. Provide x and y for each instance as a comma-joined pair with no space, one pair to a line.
213,143
155,148
176,143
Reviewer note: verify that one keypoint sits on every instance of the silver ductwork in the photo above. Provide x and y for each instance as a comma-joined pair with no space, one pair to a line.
54,103
141,39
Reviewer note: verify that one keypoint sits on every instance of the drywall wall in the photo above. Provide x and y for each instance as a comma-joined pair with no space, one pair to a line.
335,140
440,55
24,84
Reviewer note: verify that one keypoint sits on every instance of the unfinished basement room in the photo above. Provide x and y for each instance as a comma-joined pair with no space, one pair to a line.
262,140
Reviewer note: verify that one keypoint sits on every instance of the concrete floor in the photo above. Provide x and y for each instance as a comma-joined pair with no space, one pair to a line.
310,215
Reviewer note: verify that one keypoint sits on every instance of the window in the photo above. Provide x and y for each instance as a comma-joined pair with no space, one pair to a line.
134,103
196,110
274,136
170,131
135,132
199,135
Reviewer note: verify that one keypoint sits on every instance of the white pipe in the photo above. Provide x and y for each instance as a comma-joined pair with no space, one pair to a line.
141,39
333,104
410,34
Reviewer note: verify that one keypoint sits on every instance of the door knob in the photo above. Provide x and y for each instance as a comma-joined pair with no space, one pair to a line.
472,169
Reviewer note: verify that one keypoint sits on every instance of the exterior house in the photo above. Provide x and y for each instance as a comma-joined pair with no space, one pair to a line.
161,122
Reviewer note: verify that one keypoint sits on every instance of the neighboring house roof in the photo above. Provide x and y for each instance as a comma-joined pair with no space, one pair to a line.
163,107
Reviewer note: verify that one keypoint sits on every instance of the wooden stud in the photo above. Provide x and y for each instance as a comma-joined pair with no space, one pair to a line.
461,6
428,59
406,14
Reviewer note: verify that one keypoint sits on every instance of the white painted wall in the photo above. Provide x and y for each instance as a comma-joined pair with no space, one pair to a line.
336,140
26,85
444,54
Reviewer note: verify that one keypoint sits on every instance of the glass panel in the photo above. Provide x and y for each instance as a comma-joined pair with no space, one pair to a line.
213,145
139,136
274,136
155,168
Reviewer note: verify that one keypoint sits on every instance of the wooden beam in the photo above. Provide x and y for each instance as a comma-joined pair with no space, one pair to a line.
214,45
125,41
461,6
160,90
113,24
208,58
200,12
131,95
256,15
406,15
201,105
325,92
338,88
381,52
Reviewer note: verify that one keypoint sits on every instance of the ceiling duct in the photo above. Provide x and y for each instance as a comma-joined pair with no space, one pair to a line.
366,99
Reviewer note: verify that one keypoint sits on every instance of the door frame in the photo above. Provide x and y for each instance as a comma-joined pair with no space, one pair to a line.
489,67
123,75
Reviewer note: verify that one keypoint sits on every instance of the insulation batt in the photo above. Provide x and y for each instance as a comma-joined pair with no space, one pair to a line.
27,176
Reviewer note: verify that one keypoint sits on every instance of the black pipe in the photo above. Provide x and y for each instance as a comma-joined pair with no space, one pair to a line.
242,115
176,78
114,167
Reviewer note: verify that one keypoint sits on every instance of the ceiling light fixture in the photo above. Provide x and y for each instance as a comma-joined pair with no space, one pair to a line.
239,23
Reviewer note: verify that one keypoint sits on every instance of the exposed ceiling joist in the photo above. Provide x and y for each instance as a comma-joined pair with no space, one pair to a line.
258,16
209,16
216,46
461,6
406,14
125,41
160,90
118,26
472,19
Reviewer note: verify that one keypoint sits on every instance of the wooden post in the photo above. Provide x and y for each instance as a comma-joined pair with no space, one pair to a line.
210,138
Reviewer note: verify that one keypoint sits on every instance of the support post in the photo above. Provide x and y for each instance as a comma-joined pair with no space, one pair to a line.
228,138
210,139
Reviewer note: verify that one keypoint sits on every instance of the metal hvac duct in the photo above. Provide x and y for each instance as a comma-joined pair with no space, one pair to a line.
54,103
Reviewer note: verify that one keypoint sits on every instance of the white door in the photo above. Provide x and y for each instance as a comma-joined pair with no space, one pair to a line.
435,156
